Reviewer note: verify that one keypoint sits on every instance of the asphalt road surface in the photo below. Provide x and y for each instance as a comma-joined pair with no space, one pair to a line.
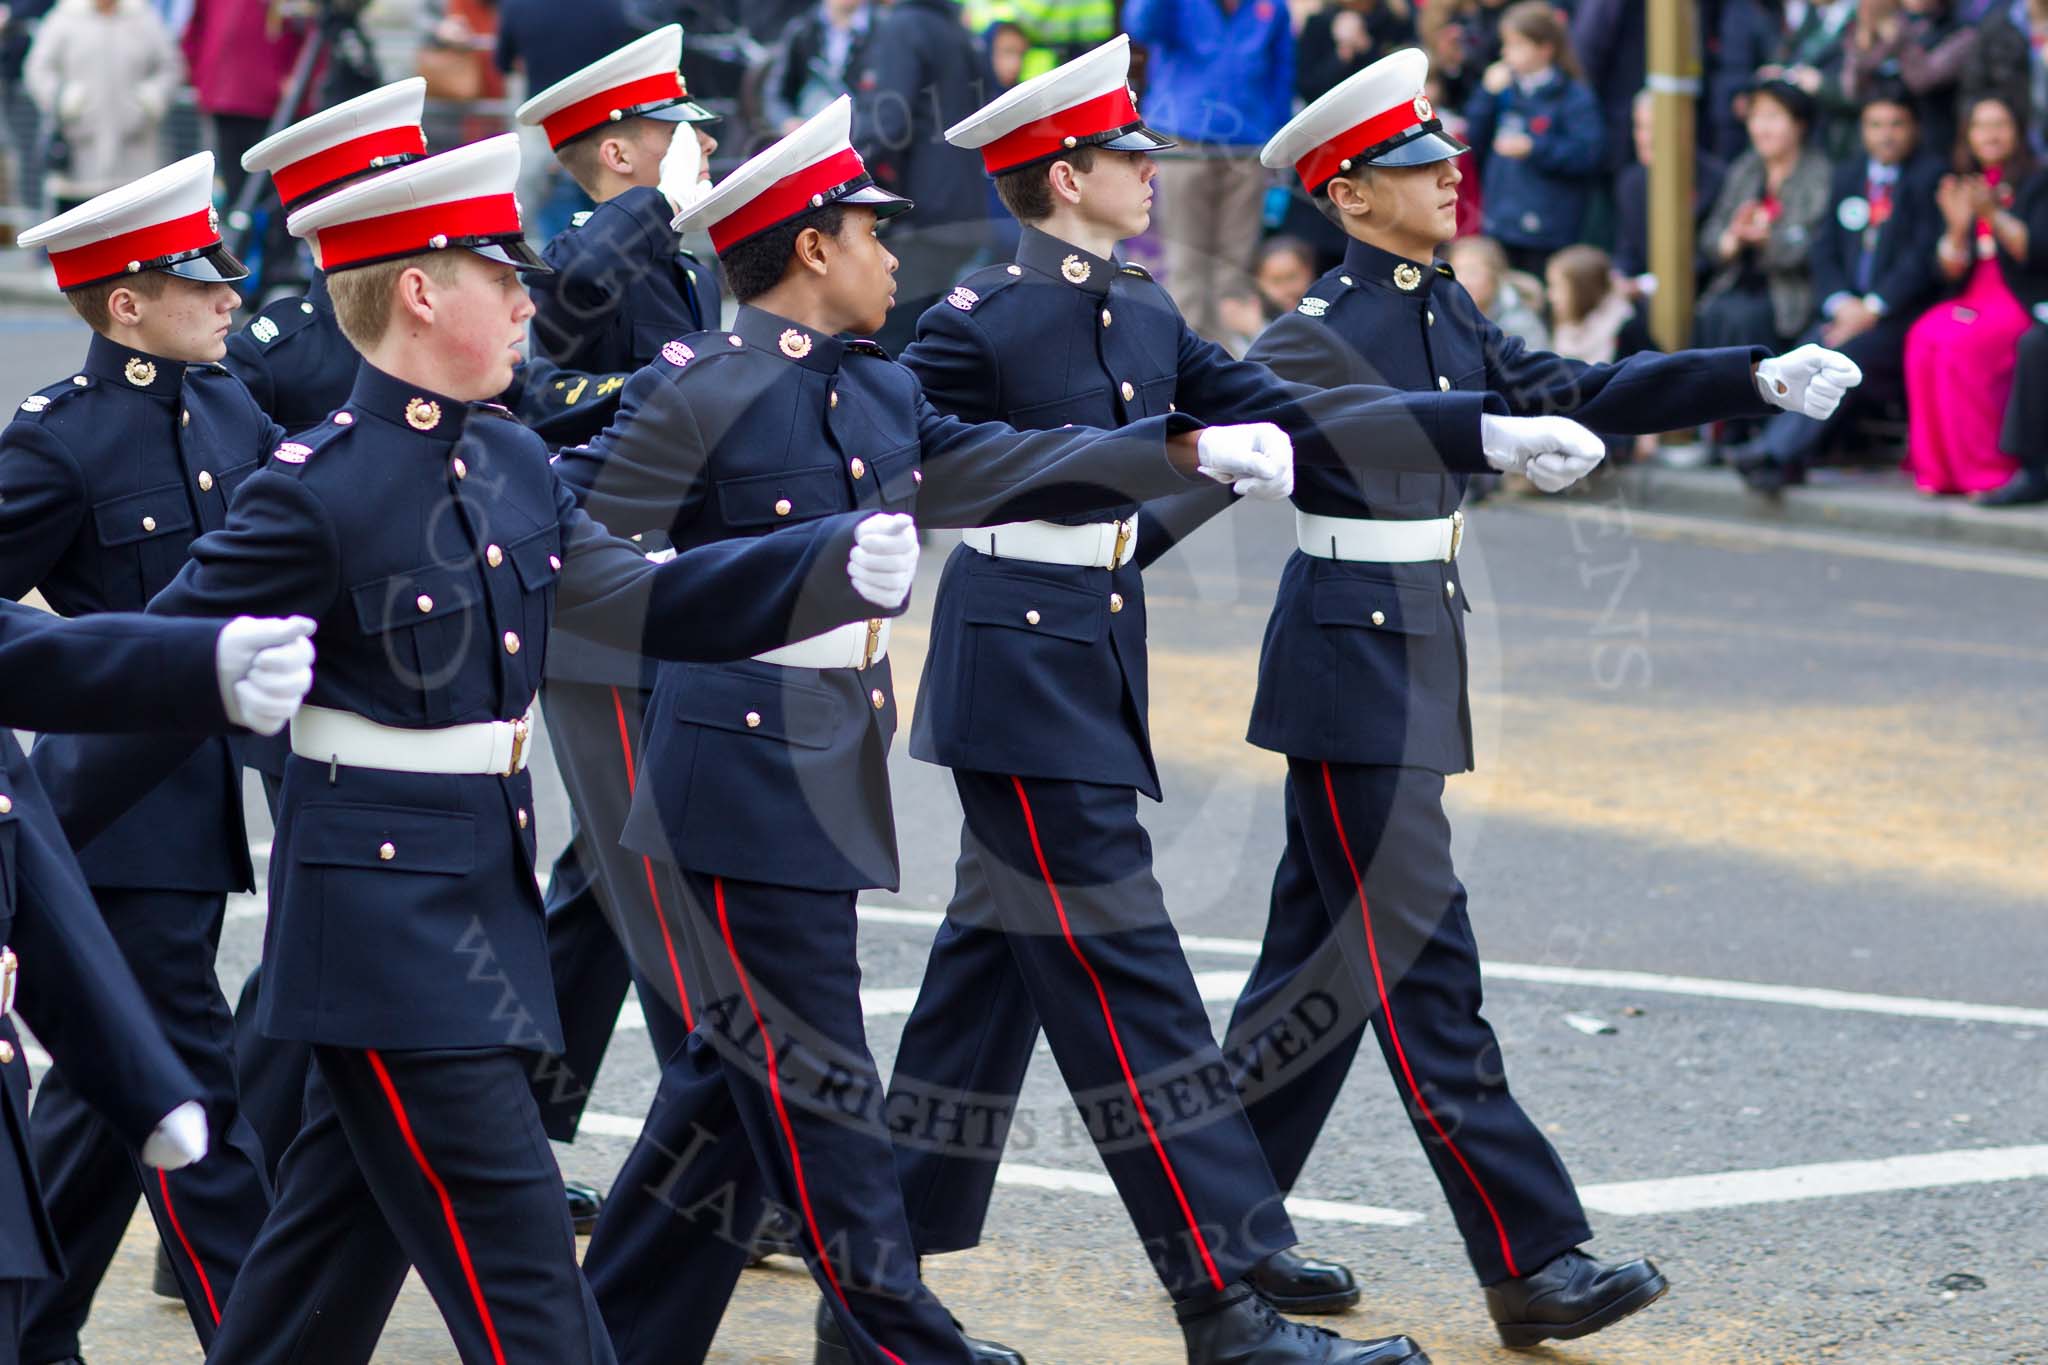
1766,803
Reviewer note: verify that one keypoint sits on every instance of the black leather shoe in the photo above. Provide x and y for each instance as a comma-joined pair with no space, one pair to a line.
2023,489
832,1348
164,1282
585,1203
1572,1296
1237,1327
1294,1283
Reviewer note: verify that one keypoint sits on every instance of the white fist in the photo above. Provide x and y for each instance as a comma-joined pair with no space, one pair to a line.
1555,452
883,564
1256,460
1810,379
179,1140
265,668
682,171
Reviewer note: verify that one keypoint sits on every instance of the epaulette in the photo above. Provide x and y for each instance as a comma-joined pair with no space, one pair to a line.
689,352
868,348
1133,268
281,319
489,409
983,285
1443,268
304,446
43,399
578,219
1324,294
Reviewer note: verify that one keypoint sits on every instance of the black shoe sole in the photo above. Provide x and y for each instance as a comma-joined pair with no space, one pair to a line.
163,1281
1309,1305
1522,1335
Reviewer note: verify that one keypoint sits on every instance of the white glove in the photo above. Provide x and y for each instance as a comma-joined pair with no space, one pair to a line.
265,668
682,171
1256,460
1810,379
1555,452
883,564
179,1140
661,556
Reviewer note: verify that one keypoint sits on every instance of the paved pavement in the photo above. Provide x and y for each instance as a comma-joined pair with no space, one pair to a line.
1763,798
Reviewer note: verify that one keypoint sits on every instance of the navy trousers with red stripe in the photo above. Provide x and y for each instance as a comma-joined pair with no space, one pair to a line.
429,1159
1368,926
1057,920
207,1213
774,1097
612,914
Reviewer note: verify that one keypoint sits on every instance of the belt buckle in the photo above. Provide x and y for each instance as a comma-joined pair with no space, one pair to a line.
1123,542
522,730
9,965
1457,533
867,657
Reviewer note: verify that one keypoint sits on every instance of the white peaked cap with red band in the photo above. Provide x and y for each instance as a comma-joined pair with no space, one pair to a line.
1378,117
373,132
814,166
1087,102
640,80
164,221
462,198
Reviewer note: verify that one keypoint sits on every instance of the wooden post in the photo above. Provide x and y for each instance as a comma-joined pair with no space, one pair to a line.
1674,81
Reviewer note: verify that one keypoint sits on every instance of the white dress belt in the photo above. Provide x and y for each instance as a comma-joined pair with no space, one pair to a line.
1365,541
858,644
10,966
490,748
1099,545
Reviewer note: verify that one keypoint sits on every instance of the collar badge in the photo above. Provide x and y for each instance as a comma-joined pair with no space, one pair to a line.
422,414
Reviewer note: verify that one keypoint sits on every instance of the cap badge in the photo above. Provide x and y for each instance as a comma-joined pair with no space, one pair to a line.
795,344
422,414
264,330
1424,110
141,373
1313,307
291,452
35,402
1074,270
1408,276
213,220
963,298
677,354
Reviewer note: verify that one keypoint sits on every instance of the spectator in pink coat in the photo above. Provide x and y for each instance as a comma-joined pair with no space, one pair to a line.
240,54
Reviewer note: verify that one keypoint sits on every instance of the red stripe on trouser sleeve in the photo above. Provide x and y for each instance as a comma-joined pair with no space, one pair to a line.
1115,1039
668,943
796,1161
163,1184
476,1289
1394,1034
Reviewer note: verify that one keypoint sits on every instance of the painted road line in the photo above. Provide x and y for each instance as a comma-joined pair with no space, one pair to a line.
1823,1180
1713,988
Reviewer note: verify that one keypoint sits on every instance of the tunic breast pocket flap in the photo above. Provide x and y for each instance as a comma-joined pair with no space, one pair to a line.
134,517
412,598
385,838
790,495
1377,604
764,703
537,559
1036,606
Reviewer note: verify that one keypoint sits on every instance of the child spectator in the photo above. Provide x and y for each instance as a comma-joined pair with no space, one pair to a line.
103,71
1509,297
1537,128
1282,274
1592,319
1959,355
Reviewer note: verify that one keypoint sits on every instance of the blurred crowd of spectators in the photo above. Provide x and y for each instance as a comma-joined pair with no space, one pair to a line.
1866,169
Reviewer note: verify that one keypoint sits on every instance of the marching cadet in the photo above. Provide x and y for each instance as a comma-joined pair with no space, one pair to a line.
766,781
113,672
1366,904
626,129
428,535
106,478
1066,334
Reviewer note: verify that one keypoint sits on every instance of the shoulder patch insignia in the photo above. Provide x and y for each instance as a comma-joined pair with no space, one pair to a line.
291,452
264,330
677,354
577,220
1131,268
963,298
866,347
1313,307
35,402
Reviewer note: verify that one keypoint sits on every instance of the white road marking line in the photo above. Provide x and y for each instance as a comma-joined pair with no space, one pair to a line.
1823,1180
1714,988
